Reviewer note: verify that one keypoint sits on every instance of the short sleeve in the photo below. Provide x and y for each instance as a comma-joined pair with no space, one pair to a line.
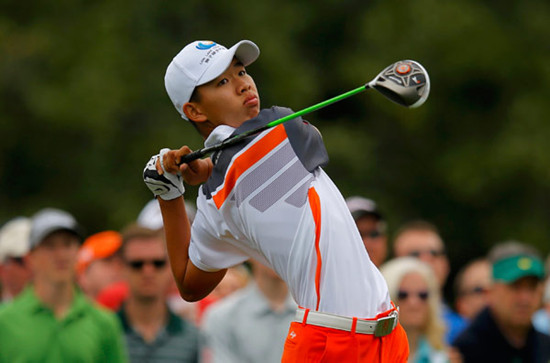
213,247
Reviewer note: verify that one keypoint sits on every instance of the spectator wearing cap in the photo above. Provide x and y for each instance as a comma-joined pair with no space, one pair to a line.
471,286
14,245
371,226
51,320
503,332
421,239
98,264
152,332
151,217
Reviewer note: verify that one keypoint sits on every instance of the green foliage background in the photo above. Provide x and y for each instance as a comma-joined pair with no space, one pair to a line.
83,106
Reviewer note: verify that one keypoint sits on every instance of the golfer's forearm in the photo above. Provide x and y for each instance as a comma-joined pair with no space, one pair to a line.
178,234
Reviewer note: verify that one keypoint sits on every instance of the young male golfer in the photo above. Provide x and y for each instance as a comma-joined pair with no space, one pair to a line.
268,198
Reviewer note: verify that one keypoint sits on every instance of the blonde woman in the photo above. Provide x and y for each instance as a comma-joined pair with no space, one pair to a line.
413,287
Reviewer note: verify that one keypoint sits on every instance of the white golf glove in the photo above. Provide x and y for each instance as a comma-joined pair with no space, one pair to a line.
167,186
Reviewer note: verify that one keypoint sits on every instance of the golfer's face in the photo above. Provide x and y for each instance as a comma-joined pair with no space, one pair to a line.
231,98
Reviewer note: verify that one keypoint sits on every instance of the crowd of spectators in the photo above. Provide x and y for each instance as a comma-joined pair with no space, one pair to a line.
111,296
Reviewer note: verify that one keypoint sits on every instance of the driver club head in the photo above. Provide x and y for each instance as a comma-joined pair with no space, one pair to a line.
405,82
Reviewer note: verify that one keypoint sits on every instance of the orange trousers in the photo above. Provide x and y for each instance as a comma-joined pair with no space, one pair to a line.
311,343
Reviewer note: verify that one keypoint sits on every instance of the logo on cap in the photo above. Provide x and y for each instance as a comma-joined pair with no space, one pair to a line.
205,45
524,263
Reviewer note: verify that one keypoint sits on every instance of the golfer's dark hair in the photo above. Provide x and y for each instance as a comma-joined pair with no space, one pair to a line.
194,98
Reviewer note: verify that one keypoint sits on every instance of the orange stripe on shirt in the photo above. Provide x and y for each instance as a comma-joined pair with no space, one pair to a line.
248,158
315,205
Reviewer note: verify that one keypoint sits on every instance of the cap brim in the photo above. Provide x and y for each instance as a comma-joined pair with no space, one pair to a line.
514,268
39,238
364,213
245,51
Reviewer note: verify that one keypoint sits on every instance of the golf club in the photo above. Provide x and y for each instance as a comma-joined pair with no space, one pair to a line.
404,82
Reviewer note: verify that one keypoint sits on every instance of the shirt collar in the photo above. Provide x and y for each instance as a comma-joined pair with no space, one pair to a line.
34,304
219,134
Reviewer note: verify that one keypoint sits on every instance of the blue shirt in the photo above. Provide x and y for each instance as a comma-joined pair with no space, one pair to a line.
454,322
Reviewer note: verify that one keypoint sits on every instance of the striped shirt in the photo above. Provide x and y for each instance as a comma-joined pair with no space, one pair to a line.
178,341
268,198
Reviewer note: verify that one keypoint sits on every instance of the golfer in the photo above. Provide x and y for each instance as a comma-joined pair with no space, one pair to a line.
268,198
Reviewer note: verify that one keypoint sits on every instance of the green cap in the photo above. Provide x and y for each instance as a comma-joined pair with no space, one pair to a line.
513,268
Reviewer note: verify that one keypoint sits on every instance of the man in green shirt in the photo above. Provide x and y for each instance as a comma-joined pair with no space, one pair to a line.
51,321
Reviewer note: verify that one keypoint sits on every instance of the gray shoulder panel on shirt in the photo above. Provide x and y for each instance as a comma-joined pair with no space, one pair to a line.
305,139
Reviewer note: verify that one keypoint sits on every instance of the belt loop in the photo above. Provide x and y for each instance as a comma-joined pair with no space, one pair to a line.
353,325
306,313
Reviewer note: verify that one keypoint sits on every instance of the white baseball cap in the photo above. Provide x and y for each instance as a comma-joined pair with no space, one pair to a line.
200,62
151,216
14,238
50,220
359,206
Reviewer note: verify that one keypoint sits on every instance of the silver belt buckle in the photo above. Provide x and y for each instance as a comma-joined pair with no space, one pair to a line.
385,325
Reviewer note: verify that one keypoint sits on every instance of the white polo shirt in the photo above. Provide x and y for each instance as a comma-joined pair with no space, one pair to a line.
268,198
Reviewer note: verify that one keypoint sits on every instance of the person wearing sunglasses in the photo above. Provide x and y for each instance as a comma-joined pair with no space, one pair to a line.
471,285
421,239
371,226
413,287
152,331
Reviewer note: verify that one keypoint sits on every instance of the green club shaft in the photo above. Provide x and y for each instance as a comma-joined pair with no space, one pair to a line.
317,106
233,140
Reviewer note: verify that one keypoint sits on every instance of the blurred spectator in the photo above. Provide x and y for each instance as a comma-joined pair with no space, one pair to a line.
14,245
372,227
98,265
236,278
422,240
471,286
153,333
413,286
52,321
503,331
250,325
541,319
150,216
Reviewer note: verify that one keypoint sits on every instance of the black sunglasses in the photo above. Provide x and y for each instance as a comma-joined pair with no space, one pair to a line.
432,252
372,234
404,295
478,290
17,260
138,264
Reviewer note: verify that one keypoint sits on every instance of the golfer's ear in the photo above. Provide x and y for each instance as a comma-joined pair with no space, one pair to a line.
193,112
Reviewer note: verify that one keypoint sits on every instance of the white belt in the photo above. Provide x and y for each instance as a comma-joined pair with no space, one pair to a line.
379,327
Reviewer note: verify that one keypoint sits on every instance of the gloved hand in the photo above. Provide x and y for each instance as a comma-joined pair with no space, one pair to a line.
165,185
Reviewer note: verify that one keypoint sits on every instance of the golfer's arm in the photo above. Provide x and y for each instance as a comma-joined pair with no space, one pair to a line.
193,283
